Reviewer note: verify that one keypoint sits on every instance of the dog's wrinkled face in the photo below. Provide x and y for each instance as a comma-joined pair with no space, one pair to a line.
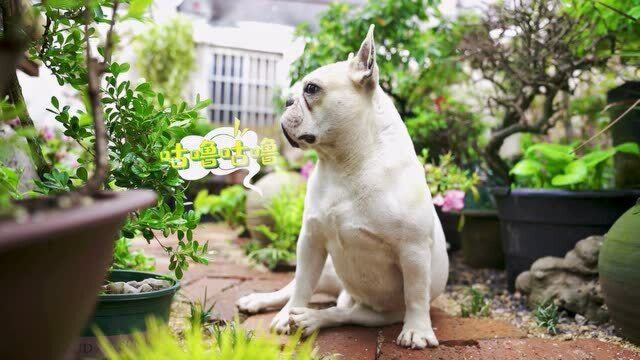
331,99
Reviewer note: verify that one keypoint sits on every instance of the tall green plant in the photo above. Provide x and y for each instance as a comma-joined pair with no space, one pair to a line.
165,56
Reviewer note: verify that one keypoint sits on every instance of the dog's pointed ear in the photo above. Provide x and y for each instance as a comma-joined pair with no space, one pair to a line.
363,69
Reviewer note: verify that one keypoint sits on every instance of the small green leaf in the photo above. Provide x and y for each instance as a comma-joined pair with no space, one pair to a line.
526,167
629,148
81,173
575,173
137,8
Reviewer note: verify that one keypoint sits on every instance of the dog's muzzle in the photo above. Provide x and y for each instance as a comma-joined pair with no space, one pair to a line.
289,139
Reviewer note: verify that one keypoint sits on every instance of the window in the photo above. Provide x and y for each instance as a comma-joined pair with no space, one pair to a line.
242,85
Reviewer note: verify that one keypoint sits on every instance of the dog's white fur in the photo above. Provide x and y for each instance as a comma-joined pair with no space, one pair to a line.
367,207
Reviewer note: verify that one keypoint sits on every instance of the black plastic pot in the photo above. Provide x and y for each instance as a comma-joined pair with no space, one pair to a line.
481,241
627,166
450,221
548,222
118,315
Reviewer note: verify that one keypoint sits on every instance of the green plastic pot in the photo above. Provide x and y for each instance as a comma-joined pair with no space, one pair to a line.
118,314
619,267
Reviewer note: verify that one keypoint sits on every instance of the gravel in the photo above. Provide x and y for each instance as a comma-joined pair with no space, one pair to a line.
512,307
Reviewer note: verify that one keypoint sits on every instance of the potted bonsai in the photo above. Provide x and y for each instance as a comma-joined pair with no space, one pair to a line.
557,199
448,184
69,233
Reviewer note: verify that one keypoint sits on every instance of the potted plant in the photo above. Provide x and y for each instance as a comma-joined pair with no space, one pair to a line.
69,233
557,199
448,184
481,240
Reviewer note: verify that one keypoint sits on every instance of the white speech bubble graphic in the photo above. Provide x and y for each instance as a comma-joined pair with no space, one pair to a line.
224,138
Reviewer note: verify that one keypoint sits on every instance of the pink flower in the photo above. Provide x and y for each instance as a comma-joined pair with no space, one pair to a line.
14,122
453,200
306,169
47,133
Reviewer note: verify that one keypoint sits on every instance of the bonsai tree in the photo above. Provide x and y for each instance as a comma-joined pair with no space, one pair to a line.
122,127
534,54
418,62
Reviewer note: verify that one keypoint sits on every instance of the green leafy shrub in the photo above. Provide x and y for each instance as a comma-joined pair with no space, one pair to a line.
446,175
139,124
9,179
286,209
229,206
447,127
165,55
546,316
546,165
477,304
228,343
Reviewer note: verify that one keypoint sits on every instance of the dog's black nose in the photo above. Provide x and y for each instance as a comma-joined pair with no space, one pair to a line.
310,139
289,102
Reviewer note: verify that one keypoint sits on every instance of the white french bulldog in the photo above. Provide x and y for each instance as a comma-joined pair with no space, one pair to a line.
367,207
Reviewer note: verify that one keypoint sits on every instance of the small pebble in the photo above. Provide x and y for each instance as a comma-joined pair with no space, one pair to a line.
115,287
145,288
128,289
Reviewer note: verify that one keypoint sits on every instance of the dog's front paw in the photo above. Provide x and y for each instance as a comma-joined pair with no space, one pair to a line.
417,337
280,322
251,303
305,319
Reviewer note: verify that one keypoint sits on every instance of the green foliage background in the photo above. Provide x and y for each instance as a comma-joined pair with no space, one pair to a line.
165,56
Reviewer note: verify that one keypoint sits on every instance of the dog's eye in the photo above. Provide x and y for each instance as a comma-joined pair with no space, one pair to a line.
311,88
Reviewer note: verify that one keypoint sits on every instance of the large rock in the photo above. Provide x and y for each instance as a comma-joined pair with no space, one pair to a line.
571,282
270,184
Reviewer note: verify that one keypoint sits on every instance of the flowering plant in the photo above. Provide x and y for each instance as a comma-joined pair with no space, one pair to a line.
448,182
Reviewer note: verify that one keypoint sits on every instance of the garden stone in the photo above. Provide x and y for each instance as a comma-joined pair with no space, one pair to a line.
115,287
128,289
145,288
271,184
156,284
571,282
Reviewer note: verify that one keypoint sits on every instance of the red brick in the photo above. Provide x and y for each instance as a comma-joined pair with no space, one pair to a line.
213,287
225,307
507,349
457,329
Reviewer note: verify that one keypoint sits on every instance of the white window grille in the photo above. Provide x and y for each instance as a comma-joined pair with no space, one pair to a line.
242,84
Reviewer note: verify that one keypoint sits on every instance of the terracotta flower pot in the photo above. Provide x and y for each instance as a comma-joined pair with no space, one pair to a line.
51,269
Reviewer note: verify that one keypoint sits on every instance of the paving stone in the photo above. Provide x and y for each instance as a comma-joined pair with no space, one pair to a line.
457,329
507,349
213,287
225,308
350,342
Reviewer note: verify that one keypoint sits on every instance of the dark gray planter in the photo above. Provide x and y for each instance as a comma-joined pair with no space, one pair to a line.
548,222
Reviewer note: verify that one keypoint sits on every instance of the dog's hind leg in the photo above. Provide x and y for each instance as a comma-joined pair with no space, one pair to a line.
329,283
310,320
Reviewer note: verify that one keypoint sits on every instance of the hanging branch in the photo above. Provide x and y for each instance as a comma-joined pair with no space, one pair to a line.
95,70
